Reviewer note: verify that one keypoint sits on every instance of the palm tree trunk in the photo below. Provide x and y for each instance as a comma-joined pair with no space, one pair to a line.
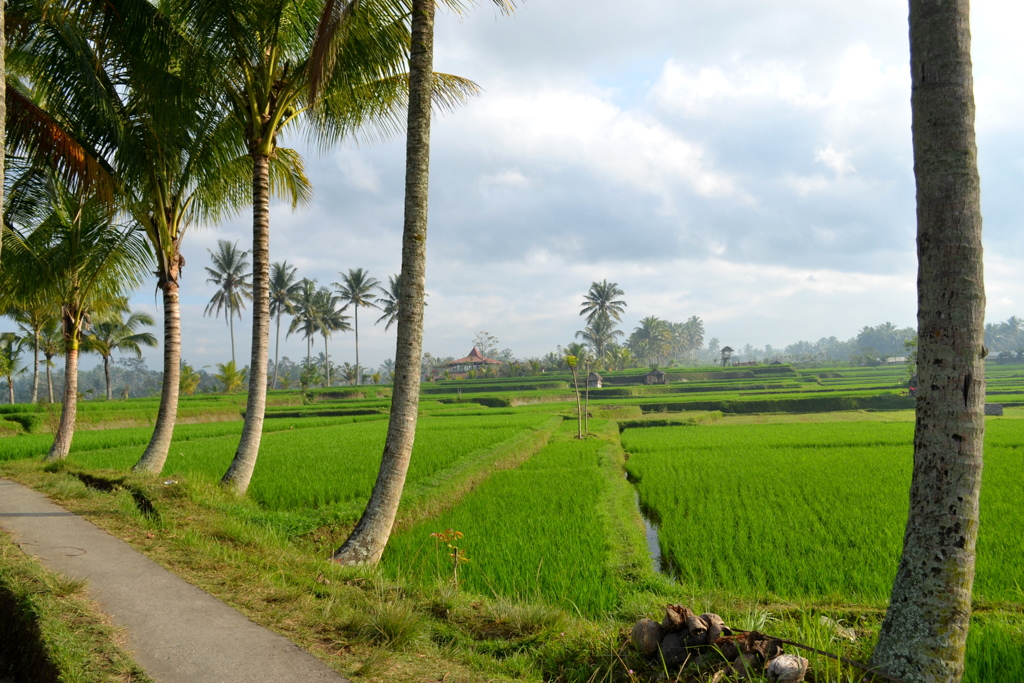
366,543
925,629
357,342
49,380
327,362
66,427
231,325
35,346
3,107
277,349
155,456
240,472
10,389
106,375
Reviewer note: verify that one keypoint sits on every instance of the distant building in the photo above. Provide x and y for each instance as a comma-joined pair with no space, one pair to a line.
474,361
594,381
776,362
655,376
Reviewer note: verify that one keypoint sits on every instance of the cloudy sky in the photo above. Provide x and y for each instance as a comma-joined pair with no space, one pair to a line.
745,161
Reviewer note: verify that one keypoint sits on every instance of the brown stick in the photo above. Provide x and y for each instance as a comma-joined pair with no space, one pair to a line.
844,660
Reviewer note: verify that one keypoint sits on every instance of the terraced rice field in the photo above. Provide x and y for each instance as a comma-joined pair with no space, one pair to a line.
811,512
538,532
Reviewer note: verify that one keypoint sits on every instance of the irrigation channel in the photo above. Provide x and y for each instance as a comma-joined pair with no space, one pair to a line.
661,563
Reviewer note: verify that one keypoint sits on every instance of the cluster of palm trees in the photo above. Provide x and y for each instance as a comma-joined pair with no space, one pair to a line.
653,341
129,121
314,310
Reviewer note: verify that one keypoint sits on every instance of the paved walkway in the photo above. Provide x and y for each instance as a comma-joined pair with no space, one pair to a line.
176,632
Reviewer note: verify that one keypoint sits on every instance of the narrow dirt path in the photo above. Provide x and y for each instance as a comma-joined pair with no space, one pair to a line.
176,632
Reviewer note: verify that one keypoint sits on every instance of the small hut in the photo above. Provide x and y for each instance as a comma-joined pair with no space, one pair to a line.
655,376
594,381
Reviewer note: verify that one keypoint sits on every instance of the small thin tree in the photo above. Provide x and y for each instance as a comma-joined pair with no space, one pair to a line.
234,284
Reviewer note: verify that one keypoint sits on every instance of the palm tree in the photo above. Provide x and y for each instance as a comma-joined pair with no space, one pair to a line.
357,290
924,633
233,286
600,301
231,377
283,288
118,334
336,65
79,257
32,316
188,379
388,301
307,314
599,334
10,359
330,319
651,339
370,535
51,343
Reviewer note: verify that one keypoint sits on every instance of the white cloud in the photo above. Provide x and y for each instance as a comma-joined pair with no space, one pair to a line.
583,129
837,161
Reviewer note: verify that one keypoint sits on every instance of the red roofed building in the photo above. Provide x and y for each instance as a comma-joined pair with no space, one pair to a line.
473,361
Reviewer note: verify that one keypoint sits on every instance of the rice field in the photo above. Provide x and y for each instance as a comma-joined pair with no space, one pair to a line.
811,512
537,533
312,467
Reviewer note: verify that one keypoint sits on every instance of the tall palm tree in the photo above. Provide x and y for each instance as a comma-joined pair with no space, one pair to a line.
388,301
283,288
32,316
230,274
79,257
330,319
118,333
307,314
357,289
600,301
336,65
366,543
51,344
924,633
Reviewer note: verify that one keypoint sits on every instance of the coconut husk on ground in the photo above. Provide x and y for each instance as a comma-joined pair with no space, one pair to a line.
685,643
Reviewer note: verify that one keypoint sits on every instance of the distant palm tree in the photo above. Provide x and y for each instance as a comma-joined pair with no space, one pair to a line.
188,379
283,289
599,334
330,319
51,343
229,273
306,317
652,339
32,315
357,290
10,359
601,301
388,301
118,334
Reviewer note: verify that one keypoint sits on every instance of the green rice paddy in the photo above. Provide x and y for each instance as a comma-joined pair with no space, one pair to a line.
807,510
